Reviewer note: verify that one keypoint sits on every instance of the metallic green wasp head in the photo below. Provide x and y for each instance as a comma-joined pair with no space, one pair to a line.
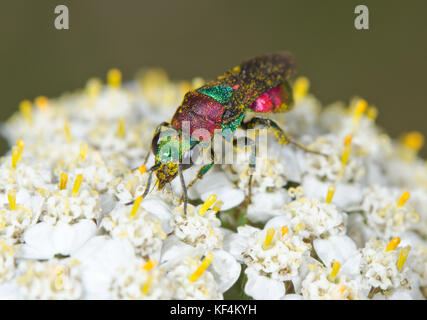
169,153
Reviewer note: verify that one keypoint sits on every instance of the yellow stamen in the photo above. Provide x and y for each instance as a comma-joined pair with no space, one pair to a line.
83,151
402,257
301,87
330,195
147,284
150,264
342,289
284,230
210,201
372,113
67,131
93,87
300,226
202,268
335,269
217,206
63,181
77,184
347,140
360,109
20,145
413,140
114,78
403,198
25,108
41,102
121,128
269,237
347,150
11,197
135,206
16,155
6,247
59,283
142,169
392,244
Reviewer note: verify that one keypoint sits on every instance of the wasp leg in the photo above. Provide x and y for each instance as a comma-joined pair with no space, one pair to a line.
203,170
248,142
184,188
281,137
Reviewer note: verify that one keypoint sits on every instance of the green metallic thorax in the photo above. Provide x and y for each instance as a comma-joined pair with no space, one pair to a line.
229,129
220,93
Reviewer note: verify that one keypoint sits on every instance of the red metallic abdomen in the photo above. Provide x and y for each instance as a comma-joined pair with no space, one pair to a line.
201,111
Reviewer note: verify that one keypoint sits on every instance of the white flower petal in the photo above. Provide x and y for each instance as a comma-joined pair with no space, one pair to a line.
43,241
277,223
341,249
100,259
264,205
345,195
226,269
230,196
173,249
262,288
161,211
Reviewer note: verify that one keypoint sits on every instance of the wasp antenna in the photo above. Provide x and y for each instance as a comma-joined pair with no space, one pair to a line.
147,187
154,186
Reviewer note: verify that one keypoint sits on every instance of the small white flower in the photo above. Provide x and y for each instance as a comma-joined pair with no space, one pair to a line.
198,230
143,230
63,206
315,218
141,280
54,279
331,168
186,286
7,261
223,267
44,241
379,267
14,222
417,260
101,259
27,175
89,163
277,252
319,285
384,215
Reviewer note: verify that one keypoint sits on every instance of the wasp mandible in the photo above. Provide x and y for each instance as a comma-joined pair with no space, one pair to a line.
257,85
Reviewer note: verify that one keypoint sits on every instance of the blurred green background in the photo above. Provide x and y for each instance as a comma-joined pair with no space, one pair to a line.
387,65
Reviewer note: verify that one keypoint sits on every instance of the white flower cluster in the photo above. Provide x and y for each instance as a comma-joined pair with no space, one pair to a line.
347,221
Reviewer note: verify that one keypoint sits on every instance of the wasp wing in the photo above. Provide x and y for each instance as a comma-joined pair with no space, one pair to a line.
252,78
